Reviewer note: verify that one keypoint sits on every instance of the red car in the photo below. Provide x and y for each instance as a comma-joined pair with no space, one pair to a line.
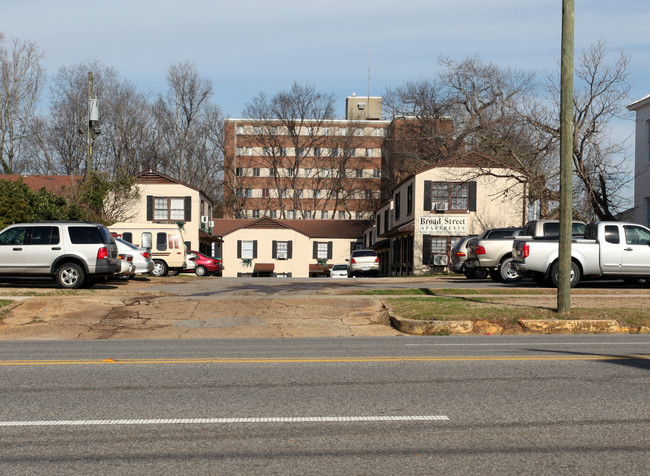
205,265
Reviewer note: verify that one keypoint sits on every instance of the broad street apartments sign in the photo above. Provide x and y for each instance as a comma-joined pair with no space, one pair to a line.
446,225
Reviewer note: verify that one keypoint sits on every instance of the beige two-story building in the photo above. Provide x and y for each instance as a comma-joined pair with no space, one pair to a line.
428,212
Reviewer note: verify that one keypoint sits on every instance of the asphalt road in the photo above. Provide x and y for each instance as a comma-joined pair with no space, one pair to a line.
400,405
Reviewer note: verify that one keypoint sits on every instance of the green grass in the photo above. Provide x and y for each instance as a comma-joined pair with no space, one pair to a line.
474,308
450,291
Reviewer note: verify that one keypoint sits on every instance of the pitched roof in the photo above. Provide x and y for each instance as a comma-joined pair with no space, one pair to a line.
351,229
58,184
155,177
639,104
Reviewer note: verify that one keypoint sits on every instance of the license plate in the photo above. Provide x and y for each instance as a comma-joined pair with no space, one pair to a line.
365,268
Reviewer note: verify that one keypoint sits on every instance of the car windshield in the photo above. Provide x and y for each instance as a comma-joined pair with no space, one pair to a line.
339,267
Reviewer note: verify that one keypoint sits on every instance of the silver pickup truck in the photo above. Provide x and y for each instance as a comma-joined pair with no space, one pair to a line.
493,250
607,250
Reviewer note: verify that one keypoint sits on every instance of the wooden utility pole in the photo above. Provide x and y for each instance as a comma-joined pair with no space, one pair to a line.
566,157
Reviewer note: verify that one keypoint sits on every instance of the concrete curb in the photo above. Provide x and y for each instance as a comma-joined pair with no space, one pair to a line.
524,326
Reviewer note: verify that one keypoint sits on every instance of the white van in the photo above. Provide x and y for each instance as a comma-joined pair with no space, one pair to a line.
164,240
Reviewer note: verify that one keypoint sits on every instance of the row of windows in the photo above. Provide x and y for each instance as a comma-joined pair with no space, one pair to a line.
306,172
317,194
314,131
247,249
307,214
314,152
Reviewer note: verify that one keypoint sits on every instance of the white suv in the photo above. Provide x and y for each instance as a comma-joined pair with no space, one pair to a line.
74,253
363,262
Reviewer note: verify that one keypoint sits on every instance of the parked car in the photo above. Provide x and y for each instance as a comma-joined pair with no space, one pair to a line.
127,268
73,253
190,264
204,265
339,271
363,262
459,256
608,249
141,256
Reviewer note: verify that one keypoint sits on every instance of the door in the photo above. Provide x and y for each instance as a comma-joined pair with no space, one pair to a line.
43,246
636,251
12,250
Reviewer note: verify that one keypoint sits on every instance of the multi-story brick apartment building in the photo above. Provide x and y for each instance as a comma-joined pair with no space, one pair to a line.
306,168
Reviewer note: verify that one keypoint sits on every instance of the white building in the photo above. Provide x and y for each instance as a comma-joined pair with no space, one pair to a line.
642,161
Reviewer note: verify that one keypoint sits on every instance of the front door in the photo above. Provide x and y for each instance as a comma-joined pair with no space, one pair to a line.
12,250
636,251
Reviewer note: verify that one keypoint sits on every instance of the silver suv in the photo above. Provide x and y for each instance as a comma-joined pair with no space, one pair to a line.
74,253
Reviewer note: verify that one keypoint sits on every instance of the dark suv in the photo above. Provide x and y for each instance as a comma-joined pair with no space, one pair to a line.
74,253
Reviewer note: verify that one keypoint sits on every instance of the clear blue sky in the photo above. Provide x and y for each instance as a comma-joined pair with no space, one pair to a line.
248,46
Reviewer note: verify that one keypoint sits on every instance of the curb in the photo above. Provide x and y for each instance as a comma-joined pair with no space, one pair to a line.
524,326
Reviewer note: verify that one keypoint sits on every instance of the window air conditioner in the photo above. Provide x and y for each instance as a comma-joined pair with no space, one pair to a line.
282,256
439,206
439,260
204,219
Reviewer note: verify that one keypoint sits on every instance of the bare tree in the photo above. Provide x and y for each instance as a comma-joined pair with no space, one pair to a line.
21,81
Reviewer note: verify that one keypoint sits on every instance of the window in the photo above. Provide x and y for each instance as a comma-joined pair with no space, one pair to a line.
635,235
306,214
341,215
325,131
397,205
256,213
248,193
335,152
317,151
611,234
169,209
281,250
291,172
44,235
273,213
247,249
316,193
265,193
238,172
359,173
290,214
240,129
440,196
321,250
324,214
239,193
369,195
409,199
379,224
256,172
161,241
351,152
376,173
283,151
368,152
300,152
14,236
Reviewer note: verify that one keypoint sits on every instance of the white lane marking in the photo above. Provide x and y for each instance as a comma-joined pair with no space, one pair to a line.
201,421
496,344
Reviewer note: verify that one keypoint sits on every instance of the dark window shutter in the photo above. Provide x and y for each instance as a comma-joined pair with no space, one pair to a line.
149,207
289,249
274,249
426,249
188,208
315,253
472,196
239,249
427,195
255,249
329,249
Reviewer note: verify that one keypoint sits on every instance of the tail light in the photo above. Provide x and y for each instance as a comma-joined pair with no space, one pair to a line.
480,250
459,254
145,254
377,259
526,250
121,257
352,261
102,253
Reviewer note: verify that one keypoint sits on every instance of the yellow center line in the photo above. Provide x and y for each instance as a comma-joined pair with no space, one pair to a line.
321,360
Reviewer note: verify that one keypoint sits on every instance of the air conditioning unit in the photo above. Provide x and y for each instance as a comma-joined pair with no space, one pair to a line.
204,219
282,256
211,224
439,260
440,206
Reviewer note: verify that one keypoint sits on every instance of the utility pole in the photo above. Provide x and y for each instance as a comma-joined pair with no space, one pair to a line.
93,123
566,157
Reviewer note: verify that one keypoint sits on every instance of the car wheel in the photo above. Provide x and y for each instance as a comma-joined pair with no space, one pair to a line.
201,271
508,272
495,275
159,268
470,273
70,276
575,274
